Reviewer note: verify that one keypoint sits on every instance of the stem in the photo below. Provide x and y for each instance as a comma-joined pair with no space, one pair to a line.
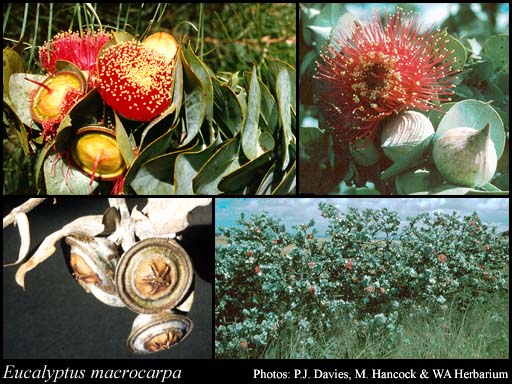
120,9
25,207
34,41
49,37
25,15
6,17
201,30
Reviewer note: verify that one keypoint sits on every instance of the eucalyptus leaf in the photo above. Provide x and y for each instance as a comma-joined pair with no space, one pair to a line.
265,187
474,114
449,189
195,102
224,161
41,157
502,182
227,109
177,98
250,131
276,66
20,91
456,50
12,64
283,91
154,177
156,148
307,62
247,178
269,111
417,181
123,141
288,183
200,70
61,178
490,188
188,165
497,48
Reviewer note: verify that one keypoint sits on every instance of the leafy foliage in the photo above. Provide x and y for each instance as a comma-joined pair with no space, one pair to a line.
371,269
481,56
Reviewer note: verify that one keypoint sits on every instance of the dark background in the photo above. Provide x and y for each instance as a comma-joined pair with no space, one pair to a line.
55,318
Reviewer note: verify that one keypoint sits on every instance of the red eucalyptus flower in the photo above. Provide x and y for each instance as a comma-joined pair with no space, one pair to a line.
82,51
377,70
135,80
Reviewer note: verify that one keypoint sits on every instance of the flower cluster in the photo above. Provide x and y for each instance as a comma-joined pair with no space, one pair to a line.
375,70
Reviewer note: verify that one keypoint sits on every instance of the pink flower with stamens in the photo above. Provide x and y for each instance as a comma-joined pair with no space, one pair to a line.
376,70
81,50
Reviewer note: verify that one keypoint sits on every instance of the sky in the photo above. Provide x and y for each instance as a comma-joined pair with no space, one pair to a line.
296,211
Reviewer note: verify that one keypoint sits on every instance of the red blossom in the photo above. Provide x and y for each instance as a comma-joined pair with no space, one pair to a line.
441,258
312,290
257,269
311,264
243,344
375,71
349,264
370,289
135,80
81,50
249,253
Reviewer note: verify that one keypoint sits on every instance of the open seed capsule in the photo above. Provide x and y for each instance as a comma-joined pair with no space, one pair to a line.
92,260
154,275
158,332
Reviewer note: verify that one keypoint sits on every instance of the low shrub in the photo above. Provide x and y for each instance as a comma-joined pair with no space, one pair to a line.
372,267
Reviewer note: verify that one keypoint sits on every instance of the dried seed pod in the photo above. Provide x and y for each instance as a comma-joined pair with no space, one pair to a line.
466,156
94,150
154,275
157,332
92,260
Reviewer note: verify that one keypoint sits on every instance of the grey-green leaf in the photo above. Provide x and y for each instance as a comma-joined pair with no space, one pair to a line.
223,162
62,179
251,131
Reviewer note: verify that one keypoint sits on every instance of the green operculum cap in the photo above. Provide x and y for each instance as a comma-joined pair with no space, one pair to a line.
95,151
466,156
404,132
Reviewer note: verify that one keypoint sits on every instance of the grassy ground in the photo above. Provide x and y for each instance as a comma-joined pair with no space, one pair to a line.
479,332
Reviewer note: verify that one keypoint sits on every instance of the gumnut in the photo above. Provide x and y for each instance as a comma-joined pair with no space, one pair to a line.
404,132
466,156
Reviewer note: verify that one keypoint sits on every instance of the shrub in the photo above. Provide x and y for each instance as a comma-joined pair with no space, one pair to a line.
371,268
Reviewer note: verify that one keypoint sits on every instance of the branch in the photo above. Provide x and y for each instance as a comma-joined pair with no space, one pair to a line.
27,206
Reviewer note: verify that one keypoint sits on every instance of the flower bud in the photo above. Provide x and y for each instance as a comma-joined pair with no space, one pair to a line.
466,156
405,132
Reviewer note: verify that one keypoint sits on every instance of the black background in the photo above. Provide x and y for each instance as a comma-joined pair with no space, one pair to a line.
55,318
